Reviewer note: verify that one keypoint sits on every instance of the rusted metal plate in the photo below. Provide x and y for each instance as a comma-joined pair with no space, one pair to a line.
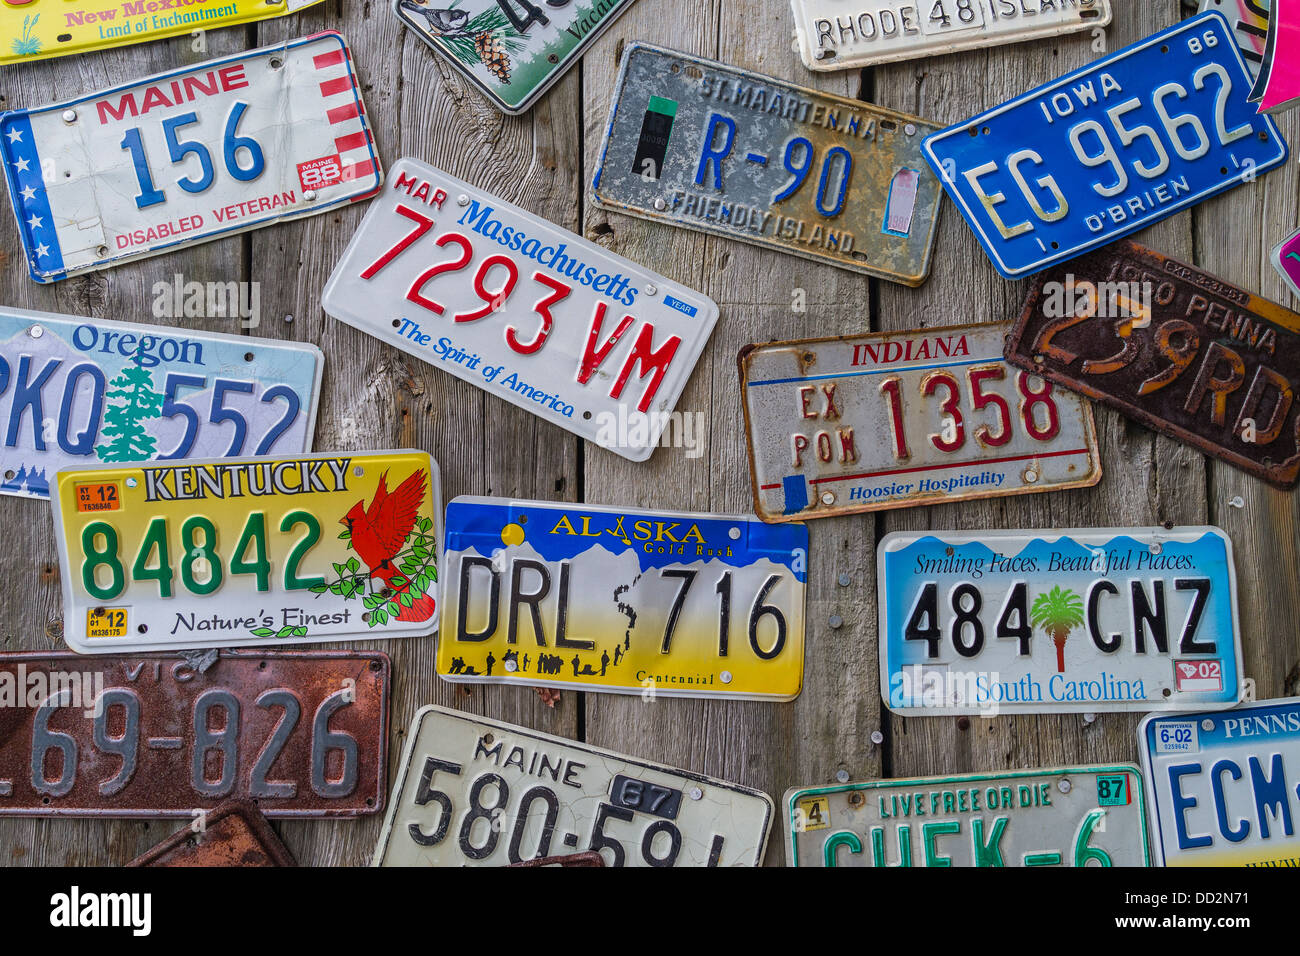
234,834
579,860
1190,355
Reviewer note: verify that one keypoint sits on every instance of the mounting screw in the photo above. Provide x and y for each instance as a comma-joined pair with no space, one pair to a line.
725,677
462,200
660,205
69,116
309,195
697,793
836,622
1065,786
877,737
1207,724
909,129
651,290
845,580
1089,718
842,775
1236,501
36,331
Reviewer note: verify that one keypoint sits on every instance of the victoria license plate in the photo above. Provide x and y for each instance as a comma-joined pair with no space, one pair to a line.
1249,22
234,834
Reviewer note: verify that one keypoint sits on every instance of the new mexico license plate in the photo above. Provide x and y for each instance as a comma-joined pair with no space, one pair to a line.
1122,619
636,602
717,149
525,310
896,419
1074,816
262,551
77,392
1109,149
188,156
478,792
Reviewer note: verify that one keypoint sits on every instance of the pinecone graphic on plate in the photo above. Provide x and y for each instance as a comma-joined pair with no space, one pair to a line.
493,53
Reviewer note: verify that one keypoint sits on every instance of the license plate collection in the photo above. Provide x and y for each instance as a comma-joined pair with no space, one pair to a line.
202,536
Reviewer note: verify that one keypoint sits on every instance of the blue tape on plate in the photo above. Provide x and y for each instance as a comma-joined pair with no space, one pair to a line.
796,493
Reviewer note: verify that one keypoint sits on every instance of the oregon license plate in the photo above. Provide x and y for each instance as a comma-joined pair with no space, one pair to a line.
1108,149
636,602
1073,816
262,551
1286,260
1038,622
234,834
188,156
478,792
525,310
1249,22
1170,345
1225,787
710,147
895,419
304,733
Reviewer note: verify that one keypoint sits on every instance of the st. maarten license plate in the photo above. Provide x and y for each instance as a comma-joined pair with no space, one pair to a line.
251,551
710,147
1120,619
188,156
634,602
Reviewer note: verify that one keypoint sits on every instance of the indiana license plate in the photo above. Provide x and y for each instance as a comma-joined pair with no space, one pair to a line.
1036,622
720,150
896,419
188,156
525,310
262,551
1286,260
1108,149
1073,816
478,792
234,834
634,602
1249,22
304,733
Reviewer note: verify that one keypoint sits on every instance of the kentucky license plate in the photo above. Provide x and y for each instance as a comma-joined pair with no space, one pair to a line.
478,792
1074,816
717,149
188,156
633,602
1038,622
263,551
1108,149
1249,22
304,733
897,419
525,310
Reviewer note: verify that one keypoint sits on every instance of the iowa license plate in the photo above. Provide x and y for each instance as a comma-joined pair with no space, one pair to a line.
188,156
1073,816
710,147
478,792
261,551
1109,149
634,602
1249,22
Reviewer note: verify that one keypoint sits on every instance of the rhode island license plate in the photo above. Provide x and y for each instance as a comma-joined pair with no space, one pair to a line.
721,150
1037,622
635,602
478,792
1109,149
188,156
263,551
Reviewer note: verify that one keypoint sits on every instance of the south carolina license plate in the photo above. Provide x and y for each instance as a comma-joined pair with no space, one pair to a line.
710,147
1037,622
188,156
1109,149
262,551
478,792
635,602
1249,22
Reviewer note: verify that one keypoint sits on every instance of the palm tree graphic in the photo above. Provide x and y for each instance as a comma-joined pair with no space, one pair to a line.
1057,612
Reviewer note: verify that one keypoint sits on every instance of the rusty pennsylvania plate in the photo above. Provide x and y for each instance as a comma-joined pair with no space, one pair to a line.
234,834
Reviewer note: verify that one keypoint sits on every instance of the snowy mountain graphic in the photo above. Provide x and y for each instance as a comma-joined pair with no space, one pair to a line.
27,481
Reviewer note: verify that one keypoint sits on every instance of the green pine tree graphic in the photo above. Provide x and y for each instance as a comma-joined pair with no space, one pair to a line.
132,401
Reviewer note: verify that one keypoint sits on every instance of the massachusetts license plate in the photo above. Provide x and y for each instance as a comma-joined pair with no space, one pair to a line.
263,551
188,156
1073,816
1038,622
1225,787
525,310
234,834
1286,260
710,147
1109,149
78,392
478,792
1170,345
1249,22
634,602
896,419
304,733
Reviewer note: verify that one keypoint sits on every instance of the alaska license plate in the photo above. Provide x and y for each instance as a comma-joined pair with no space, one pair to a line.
720,150
1073,816
1108,149
897,419
188,156
478,792
234,834
525,310
249,551
1286,260
77,392
633,602
1038,622
1249,22
304,733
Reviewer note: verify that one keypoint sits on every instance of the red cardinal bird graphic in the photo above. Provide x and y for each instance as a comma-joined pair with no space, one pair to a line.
378,533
